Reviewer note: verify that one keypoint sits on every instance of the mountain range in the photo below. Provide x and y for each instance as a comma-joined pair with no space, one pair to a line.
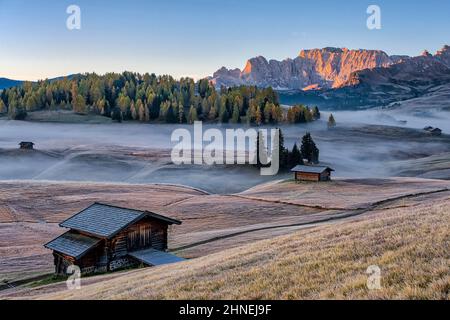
355,77
322,68
6,83
339,77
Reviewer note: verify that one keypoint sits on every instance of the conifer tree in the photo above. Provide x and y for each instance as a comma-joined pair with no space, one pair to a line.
116,114
3,108
295,157
236,116
283,152
316,113
192,117
140,110
79,104
134,113
261,150
223,115
309,149
258,116
331,122
181,116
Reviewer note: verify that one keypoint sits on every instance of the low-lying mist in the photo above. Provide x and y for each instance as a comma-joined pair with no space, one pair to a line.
364,144
417,119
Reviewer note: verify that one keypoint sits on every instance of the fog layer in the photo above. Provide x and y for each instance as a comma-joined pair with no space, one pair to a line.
364,144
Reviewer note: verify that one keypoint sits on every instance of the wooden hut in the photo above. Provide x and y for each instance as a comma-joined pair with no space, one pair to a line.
312,173
433,131
26,145
436,132
105,238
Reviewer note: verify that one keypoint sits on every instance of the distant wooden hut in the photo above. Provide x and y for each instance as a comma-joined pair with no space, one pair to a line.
312,173
26,145
433,131
436,132
105,238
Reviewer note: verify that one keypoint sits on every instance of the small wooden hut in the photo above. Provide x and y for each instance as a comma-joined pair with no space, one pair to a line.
433,131
26,145
105,238
312,173
436,132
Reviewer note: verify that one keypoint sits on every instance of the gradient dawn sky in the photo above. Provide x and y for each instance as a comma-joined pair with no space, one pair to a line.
196,37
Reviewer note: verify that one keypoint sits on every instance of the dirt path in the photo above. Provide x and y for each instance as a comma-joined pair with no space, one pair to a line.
292,203
348,213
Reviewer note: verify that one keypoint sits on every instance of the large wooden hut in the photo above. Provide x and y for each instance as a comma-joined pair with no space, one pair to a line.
312,173
106,238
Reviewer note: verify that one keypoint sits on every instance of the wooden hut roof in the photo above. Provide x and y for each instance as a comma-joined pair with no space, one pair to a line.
105,221
311,169
73,244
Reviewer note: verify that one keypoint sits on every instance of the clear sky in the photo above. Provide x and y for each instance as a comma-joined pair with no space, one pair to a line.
196,37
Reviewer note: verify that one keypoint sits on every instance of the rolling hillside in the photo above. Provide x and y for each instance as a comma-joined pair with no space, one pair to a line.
411,245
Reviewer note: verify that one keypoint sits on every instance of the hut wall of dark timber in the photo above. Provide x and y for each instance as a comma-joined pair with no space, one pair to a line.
26,145
145,233
306,176
112,254
113,248
312,173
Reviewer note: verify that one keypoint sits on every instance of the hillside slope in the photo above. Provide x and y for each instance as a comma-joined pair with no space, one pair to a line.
409,241
6,83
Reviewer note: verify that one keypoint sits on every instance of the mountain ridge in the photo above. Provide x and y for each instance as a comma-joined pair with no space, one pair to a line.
324,68
345,79
6,83
424,67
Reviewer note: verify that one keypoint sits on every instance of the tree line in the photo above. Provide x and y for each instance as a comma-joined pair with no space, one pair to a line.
147,97
288,159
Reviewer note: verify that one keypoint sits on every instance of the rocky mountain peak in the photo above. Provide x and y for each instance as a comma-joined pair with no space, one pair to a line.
327,50
445,49
331,67
443,55
253,63
426,69
313,68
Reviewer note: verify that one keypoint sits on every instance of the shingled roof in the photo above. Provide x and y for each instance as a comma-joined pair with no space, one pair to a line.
311,169
155,257
73,244
105,221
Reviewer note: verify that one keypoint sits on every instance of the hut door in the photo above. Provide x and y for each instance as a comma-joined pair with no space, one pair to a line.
140,238
133,240
145,239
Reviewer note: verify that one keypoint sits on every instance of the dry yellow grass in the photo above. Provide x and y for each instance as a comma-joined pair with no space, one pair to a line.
343,193
411,246
31,210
